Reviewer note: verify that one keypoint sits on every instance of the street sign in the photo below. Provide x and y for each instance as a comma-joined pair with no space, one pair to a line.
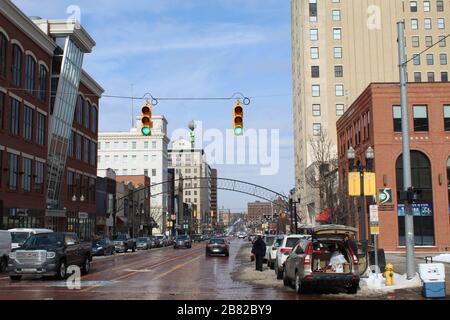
370,186
374,220
385,196
354,184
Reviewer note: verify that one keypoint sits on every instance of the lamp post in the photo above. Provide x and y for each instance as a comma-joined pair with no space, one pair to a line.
75,199
293,208
351,156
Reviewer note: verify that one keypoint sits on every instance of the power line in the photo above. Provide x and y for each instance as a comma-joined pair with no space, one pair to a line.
420,53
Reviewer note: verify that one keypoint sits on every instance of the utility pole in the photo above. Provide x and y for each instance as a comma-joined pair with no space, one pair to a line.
407,184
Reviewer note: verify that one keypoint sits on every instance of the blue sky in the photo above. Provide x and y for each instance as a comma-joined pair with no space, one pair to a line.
192,48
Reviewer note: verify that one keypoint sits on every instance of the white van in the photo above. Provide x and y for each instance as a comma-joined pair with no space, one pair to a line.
5,249
19,235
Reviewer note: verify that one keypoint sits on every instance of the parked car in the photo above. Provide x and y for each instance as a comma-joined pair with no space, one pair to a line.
323,261
271,252
197,238
288,242
183,241
162,240
5,249
19,235
143,243
124,242
49,254
103,247
268,240
218,246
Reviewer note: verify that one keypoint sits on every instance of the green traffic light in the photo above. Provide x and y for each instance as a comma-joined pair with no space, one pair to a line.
146,131
238,131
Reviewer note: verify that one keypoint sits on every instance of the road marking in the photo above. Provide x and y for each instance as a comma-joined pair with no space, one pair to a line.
175,268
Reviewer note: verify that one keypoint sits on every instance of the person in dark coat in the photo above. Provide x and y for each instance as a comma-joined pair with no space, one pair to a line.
349,243
259,250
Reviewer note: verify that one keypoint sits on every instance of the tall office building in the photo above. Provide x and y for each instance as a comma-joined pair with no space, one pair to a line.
132,154
339,47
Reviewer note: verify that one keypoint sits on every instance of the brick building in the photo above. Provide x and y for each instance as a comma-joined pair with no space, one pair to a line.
48,155
257,210
374,120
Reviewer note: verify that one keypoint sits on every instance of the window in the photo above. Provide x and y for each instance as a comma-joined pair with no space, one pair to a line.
337,33
430,76
316,110
417,77
430,59
79,110
415,41
86,150
442,41
416,60
314,34
441,23
2,107
14,117
420,118
426,6
28,123
30,74
316,91
125,172
26,177
125,144
339,110
447,118
78,147
43,83
94,119
443,59
313,10
146,172
444,76
440,5
17,65
414,24
133,145
145,158
413,6
428,24
338,71
336,15
145,144
71,144
93,155
39,177
317,129
314,53
153,172
397,115
153,144
13,171
87,114
337,52
315,72
3,48
428,41
339,90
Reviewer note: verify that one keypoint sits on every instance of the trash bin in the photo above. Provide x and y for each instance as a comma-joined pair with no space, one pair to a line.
433,279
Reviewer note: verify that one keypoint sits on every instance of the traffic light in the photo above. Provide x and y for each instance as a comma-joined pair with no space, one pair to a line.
238,119
147,124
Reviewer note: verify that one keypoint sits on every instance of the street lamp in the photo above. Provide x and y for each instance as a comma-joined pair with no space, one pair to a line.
351,156
75,199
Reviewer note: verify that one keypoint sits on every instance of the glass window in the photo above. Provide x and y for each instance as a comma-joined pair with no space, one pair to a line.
314,53
26,177
337,33
414,24
428,41
71,144
2,108
444,76
430,59
397,116
14,117
316,90
339,90
416,60
417,77
79,110
28,123
86,150
430,76
338,71
415,41
340,109
133,145
30,74
153,144
426,6
337,52
440,5
87,114
3,48
145,144
17,65
317,129
79,149
93,154
314,34
13,171
443,59
336,15
442,41
428,24
315,71
153,172
94,119
441,23
413,6
39,177
420,118
447,118
316,110
43,83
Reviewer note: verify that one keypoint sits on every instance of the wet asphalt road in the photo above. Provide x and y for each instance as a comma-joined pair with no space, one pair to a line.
164,274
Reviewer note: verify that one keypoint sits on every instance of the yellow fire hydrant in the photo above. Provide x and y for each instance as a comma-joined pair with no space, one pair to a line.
389,274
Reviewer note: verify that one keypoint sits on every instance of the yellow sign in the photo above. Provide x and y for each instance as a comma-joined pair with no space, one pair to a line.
354,184
374,230
370,185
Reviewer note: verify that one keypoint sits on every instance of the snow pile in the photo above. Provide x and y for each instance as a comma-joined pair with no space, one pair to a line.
442,258
378,284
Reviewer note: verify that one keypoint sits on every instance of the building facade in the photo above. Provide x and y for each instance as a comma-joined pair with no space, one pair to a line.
257,211
191,164
132,154
339,47
41,78
429,123
214,207
106,187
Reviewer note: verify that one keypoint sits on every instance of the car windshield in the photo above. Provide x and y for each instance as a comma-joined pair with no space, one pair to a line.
142,239
270,241
19,237
122,237
218,241
159,237
291,242
44,239
179,238
102,242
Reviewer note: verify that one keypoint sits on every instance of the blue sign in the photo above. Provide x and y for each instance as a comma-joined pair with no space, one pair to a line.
419,210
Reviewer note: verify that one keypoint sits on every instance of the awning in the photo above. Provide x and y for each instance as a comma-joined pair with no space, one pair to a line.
121,220
324,216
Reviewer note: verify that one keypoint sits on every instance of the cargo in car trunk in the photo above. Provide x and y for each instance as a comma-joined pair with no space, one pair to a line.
331,257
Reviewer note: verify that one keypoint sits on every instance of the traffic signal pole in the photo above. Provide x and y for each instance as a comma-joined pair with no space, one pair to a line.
407,184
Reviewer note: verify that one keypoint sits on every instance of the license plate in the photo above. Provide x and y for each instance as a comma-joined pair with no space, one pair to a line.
29,270
216,250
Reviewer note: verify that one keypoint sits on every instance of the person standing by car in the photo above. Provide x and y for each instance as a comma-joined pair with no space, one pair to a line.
259,250
349,243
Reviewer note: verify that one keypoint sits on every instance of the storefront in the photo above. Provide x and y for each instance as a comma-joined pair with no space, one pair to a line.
22,218
82,224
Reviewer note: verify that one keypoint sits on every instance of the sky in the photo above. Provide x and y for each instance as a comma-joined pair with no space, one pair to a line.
192,48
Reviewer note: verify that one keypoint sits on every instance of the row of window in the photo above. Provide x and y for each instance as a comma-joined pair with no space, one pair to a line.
33,125
314,34
338,71
442,40
430,76
134,172
428,24
36,78
336,14
317,110
426,6
339,90
115,158
108,145
420,117
82,149
79,185
86,115
358,132
430,59
23,174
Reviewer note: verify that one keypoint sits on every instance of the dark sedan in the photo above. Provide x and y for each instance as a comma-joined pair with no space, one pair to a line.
183,241
217,246
103,247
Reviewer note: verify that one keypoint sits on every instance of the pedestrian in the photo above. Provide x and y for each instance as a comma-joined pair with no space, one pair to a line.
259,250
349,243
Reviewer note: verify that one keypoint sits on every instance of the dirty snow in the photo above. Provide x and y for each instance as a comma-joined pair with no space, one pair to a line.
378,284
442,258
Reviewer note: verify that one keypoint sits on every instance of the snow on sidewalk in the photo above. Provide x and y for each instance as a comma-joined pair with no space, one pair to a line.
442,258
374,284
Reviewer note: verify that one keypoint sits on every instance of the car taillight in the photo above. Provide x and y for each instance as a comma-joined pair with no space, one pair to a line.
286,250
209,246
354,256
307,260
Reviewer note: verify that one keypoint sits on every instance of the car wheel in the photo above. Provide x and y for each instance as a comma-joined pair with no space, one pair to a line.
86,265
134,249
15,278
286,281
62,271
353,289
298,284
